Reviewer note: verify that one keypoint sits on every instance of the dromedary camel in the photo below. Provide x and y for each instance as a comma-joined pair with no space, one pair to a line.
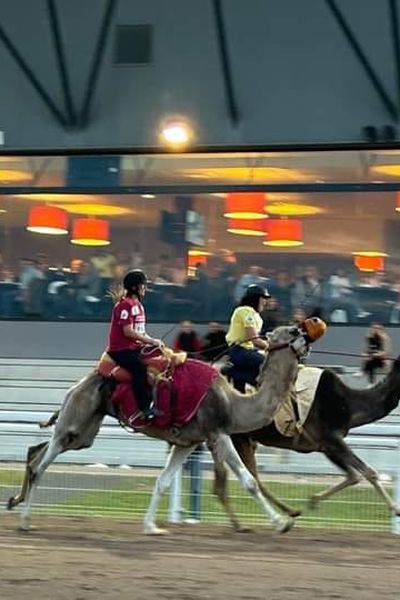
336,409
222,412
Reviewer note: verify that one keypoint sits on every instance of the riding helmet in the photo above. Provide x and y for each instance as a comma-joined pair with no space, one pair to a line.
257,290
133,279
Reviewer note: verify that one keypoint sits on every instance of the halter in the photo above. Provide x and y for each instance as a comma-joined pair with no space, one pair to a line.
298,344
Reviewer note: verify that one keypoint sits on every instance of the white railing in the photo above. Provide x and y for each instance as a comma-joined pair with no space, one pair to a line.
116,475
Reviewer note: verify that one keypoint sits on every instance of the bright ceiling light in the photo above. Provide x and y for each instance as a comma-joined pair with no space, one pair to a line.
148,196
13,176
58,197
391,170
291,209
248,175
105,210
176,132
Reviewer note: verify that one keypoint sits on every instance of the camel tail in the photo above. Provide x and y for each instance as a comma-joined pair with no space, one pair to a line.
50,421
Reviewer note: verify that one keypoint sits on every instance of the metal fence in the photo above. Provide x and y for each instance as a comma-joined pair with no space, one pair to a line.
115,477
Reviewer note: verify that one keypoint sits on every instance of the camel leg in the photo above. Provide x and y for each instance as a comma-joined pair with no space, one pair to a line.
37,470
42,455
175,459
351,478
33,452
351,462
246,449
221,491
224,449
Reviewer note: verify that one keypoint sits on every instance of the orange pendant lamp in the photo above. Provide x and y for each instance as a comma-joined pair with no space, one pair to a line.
196,257
48,219
90,232
245,205
283,233
369,262
254,227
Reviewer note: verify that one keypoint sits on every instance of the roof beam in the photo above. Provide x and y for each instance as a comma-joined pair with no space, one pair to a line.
225,62
394,27
62,66
363,59
96,61
33,80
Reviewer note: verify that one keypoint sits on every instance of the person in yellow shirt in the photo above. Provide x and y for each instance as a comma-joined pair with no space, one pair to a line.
243,336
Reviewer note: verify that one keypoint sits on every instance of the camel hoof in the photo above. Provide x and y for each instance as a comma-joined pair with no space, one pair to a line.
11,503
243,529
285,525
24,527
294,513
154,530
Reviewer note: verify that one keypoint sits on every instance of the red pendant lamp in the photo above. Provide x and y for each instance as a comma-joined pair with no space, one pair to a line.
90,232
254,227
369,261
48,219
196,257
245,205
283,233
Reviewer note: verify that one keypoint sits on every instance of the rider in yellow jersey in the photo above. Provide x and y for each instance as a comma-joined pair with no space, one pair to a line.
243,336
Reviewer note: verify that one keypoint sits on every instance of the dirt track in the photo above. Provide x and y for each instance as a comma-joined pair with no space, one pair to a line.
83,559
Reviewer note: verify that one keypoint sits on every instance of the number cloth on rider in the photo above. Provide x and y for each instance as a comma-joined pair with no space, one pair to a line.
128,311
243,317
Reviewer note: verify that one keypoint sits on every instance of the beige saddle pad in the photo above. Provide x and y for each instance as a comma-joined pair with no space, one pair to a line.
293,412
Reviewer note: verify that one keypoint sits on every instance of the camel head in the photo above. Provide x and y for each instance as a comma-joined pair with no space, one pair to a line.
295,338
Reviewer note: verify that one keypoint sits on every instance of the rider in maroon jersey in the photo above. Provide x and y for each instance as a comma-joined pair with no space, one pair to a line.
127,337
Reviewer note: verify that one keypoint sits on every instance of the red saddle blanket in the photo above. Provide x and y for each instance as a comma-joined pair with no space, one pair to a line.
191,380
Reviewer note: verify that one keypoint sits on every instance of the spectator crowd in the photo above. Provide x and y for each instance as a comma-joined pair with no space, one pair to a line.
36,289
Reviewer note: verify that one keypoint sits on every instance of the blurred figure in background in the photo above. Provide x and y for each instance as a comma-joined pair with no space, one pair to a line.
214,343
378,346
298,316
307,291
187,339
252,277
271,315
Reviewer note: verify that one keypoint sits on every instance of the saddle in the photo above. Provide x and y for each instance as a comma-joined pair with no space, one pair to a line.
178,386
160,364
292,413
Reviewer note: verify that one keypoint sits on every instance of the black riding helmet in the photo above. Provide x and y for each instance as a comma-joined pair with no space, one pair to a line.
253,294
257,290
133,279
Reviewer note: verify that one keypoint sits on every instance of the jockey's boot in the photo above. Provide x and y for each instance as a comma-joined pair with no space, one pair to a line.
148,414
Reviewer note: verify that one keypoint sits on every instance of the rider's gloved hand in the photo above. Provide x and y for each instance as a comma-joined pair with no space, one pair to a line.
157,342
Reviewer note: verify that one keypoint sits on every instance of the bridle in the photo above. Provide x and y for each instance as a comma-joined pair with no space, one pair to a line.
298,344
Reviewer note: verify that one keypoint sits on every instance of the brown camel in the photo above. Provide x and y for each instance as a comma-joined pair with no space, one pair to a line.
223,411
336,409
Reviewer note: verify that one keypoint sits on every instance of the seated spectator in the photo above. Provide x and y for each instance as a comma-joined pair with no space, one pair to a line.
253,277
214,343
298,316
377,350
271,315
307,291
187,339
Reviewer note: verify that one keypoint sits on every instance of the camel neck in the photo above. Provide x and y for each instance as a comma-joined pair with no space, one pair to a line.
368,406
253,411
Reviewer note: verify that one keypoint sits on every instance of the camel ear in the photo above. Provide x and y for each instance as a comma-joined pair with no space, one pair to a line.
314,327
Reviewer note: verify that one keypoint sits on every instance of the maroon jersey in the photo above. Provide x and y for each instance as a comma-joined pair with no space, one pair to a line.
128,311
